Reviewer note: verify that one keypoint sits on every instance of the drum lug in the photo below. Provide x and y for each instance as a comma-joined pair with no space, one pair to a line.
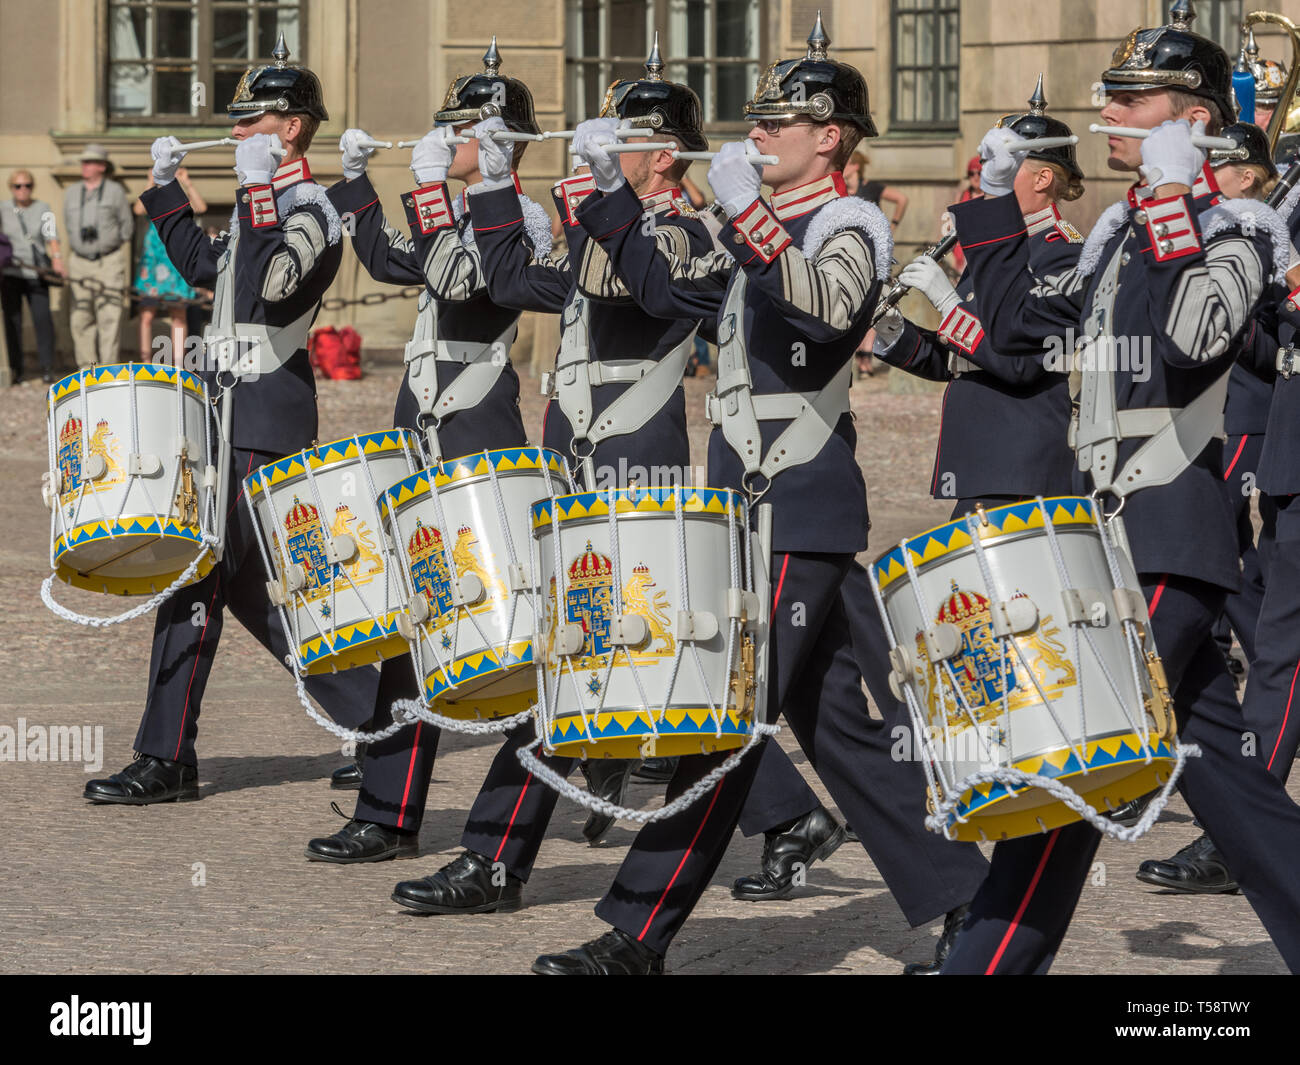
406,628
628,630
900,672
342,549
518,576
1014,616
942,642
275,592
144,465
468,590
94,468
569,640
417,609
1130,605
295,577
742,606
1084,606
49,492
697,625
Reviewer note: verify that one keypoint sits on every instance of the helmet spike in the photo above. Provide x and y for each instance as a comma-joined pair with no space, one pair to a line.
1182,14
654,64
818,42
492,58
280,53
1038,102
1252,46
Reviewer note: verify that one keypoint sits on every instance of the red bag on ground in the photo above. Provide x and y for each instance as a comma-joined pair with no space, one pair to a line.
336,353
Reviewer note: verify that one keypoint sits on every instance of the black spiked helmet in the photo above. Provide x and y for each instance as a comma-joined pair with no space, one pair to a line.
281,87
825,90
1252,148
661,106
1270,76
1036,123
1173,57
469,94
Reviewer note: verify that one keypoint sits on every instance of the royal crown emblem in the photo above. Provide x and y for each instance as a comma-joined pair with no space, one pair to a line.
304,540
103,442
429,573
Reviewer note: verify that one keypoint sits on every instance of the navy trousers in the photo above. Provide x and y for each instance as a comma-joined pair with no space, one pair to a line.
1021,913
815,683
1241,611
188,626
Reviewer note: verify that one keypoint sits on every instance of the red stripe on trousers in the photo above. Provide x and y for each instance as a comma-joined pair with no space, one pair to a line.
1282,731
1155,596
513,814
650,920
776,600
185,712
1024,903
410,770
1240,448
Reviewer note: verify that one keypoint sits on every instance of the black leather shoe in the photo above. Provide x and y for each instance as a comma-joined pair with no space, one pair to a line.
607,778
849,835
613,954
655,770
348,778
951,926
813,838
1131,813
363,841
463,886
147,780
1197,869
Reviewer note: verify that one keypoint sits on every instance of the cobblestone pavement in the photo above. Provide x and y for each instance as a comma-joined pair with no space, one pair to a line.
221,885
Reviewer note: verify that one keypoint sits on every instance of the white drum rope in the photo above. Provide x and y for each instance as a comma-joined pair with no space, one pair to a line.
148,606
938,821
691,795
417,710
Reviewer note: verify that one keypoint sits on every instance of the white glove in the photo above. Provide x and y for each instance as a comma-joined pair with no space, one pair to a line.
1000,166
927,277
167,155
356,152
888,330
735,180
432,155
495,158
255,162
1169,157
590,140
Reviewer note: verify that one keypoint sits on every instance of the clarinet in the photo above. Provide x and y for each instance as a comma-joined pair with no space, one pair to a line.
897,290
1286,183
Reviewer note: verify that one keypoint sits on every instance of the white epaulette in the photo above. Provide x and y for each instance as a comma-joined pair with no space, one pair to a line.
537,225
305,192
850,212
1250,216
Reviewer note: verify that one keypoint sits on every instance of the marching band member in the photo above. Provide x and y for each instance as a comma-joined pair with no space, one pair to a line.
1184,277
460,349
621,366
1002,436
271,272
792,306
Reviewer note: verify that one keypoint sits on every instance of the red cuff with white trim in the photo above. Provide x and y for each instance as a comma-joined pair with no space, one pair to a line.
962,330
430,208
759,228
261,205
1170,227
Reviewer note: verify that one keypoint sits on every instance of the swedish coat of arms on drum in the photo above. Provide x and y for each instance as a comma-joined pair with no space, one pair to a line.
305,542
589,602
429,571
983,674
103,442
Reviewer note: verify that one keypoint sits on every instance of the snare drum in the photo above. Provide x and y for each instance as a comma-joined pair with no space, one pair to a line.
132,486
650,617
315,514
1020,652
459,532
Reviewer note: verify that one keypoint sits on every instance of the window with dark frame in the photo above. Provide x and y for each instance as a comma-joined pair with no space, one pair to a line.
1220,20
926,58
179,61
710,45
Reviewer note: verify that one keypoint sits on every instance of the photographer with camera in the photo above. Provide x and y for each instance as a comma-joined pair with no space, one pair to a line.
99,224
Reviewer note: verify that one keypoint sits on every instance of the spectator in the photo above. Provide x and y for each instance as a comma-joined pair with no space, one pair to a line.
877,192
692,192
99,226
158,282
29,224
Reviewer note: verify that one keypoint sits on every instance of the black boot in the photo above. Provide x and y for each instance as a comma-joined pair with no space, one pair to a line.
813,838
348,778
363,841
465,885
951,926
1131,812
607,779
655,770
1197,869
147,780
613,954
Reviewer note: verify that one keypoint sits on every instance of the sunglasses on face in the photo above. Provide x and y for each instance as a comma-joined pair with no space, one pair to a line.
21,185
